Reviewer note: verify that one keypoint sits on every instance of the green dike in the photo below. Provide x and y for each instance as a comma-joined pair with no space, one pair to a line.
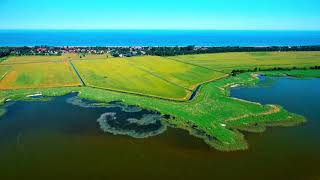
211,115
294,73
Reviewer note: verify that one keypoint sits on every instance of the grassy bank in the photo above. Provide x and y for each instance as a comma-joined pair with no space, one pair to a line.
294,73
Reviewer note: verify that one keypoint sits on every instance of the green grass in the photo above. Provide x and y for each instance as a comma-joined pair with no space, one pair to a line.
118,74
228,61
40,75
38,58
185,75
295,73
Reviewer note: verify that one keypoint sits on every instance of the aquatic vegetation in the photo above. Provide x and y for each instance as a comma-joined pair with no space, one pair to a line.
77,101
128,108
146,126
2,111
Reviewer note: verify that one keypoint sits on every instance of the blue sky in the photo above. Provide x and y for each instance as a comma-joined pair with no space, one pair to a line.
160,14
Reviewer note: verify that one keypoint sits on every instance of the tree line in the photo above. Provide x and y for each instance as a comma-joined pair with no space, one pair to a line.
157,51
236,72
173,51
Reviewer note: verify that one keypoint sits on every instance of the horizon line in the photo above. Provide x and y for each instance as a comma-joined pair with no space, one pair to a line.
146,29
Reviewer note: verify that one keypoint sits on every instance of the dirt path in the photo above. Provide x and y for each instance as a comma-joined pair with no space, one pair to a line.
274,109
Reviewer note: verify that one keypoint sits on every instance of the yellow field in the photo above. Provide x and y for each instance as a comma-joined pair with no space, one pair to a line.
39,75
119,74
166,77
32,59
229,61
181,74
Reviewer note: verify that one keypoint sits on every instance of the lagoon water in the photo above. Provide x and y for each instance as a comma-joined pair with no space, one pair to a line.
59,140
157,38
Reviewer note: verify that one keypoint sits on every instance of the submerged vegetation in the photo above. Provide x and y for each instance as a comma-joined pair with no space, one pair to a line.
164,85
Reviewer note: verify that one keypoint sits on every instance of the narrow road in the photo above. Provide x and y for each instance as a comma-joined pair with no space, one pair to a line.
77,72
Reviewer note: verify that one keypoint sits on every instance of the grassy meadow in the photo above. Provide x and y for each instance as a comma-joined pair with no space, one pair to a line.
39,75
118,74
38,58
185,75
248,60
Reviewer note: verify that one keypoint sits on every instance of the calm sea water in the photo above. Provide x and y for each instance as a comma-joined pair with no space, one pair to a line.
157,38
59,140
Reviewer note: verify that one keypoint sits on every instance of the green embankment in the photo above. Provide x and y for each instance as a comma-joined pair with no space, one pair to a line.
229,61
295,73
212,115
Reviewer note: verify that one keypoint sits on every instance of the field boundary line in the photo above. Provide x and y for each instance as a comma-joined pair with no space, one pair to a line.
139,94
4,75
273,109
39,88
77,73
35,62
178,60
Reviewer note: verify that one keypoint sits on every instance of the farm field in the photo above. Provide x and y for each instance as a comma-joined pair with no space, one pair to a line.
228,61
38,75
118,74
38,58
179,73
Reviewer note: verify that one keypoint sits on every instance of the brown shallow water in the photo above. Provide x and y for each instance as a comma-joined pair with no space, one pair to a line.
57,140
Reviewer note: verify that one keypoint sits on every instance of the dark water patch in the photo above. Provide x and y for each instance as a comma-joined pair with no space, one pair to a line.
58,140
294,148
146,126
194,93
77,101
121,119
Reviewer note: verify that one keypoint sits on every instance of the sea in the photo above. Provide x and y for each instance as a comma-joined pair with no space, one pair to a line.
158,38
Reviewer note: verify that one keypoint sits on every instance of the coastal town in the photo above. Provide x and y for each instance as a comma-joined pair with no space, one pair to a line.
123,51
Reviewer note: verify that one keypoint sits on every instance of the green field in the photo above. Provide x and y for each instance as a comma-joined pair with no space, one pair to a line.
211,115
39,75
118,74
228,61
43,58
185,75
